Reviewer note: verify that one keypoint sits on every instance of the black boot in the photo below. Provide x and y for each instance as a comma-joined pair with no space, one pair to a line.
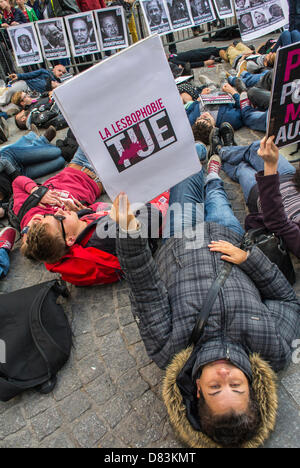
215,142
227,134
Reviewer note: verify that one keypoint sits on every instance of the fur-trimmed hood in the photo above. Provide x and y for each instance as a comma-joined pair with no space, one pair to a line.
263,384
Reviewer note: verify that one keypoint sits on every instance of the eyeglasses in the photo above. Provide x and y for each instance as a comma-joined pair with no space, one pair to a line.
59,218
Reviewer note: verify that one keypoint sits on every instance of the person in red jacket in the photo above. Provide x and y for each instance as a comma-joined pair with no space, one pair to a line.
73,240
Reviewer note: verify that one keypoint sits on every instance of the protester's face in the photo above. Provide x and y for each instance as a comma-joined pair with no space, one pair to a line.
224,387
80,31
4,5
206,117
54,35
26,100
154,12
70,224
25,43
59,70
21,117
110,26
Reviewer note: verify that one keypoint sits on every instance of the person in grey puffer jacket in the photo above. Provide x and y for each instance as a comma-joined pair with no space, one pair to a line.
219,385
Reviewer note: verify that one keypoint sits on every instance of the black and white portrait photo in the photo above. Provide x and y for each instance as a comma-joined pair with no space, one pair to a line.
241,4
246,23
25,44
179,14
156,16
82,33
224,8
53,38
202,11
112,28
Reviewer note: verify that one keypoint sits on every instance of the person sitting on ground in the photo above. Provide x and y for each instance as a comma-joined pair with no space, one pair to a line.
74,241
221,392
271,187
41,80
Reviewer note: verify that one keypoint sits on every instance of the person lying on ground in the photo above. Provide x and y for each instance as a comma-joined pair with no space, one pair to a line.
41,80
241,113
196,58
221,392
258,87
270,184
42,114
74,241
32,156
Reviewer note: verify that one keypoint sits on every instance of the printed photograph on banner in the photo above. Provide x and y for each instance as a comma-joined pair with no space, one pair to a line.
111,26
25,44
202,11
284,111
134,140
180,14
259,17
53,38
82,34
156,16
224,8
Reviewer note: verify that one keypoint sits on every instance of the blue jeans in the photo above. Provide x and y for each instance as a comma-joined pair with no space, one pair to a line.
189,194
4,262
254,119
32,156
241,163
287,38
81,159
249,79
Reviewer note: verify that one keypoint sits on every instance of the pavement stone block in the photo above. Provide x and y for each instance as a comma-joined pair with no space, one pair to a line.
101,389
89,430
75,405
46,423
132,384
22,439
115,409
11,421
291,384
115,355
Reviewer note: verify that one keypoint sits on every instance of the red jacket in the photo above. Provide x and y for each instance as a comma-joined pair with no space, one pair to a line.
87,5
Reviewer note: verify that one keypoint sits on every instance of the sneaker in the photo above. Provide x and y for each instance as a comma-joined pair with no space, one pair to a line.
3,130
7,238
50,133
35,130
227,134
240,86
215,142
203,80
242,66
214,165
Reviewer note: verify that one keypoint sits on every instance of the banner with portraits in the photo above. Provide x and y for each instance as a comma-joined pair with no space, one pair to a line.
53,38
25,44
259,17
111,27
163,16
224,8
82,34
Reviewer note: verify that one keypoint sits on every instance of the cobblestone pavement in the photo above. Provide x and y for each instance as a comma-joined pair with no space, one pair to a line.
109,393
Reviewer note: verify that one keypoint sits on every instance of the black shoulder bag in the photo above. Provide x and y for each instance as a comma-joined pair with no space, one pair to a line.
273,247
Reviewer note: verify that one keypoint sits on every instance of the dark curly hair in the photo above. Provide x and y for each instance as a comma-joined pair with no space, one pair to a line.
201,131
233,429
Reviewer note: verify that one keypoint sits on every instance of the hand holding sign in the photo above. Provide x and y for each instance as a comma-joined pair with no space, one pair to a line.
269,152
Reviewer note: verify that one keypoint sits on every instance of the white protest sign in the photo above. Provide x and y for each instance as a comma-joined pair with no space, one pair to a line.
128,118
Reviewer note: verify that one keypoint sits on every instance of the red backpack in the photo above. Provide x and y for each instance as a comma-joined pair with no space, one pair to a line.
86,266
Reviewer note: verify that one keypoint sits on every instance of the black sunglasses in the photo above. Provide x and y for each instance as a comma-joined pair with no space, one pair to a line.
59,218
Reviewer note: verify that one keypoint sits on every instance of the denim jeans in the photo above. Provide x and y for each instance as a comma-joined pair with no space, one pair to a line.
197,207
241,163
249,79
81,159
32,156
254,119
4,262
287,38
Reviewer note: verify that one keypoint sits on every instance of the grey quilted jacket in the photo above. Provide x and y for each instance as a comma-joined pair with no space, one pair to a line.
256,310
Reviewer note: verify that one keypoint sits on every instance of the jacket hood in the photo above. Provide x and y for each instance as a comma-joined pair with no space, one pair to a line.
263,385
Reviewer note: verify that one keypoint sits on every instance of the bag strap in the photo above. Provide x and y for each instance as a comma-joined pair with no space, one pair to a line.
31,202
209,302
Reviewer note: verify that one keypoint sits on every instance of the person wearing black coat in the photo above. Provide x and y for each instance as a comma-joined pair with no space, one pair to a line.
294,14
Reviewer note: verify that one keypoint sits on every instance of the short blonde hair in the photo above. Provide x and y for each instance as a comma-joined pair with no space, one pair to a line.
17,98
